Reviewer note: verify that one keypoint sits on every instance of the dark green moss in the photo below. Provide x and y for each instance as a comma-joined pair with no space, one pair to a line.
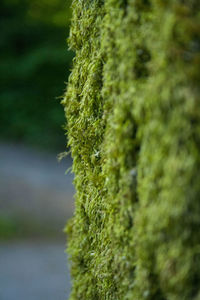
132,109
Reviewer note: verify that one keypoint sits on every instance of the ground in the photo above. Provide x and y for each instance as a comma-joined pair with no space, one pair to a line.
33,270
36,196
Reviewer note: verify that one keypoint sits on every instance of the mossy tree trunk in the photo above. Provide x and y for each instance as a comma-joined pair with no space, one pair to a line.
133,114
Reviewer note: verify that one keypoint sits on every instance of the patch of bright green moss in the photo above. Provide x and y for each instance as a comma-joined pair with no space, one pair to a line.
133,122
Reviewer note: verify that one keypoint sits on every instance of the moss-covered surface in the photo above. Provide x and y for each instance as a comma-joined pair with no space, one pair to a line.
133,121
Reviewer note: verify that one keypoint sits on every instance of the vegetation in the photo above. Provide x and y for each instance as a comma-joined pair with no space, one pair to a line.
132,106
14,227
33,66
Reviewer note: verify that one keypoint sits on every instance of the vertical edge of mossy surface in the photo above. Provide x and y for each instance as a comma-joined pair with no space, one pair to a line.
133,128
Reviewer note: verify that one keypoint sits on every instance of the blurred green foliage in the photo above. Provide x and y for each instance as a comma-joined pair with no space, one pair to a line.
34,64
14,227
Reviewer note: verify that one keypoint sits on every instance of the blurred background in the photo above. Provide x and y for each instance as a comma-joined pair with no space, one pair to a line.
36,194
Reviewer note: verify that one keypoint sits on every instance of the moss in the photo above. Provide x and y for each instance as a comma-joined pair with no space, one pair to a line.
134,130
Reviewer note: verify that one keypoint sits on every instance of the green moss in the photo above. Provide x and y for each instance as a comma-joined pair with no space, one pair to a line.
134,130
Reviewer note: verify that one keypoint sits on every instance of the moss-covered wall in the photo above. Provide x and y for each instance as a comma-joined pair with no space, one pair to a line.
133,120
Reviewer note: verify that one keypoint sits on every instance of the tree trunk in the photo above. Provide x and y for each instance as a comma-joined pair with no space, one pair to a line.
133,115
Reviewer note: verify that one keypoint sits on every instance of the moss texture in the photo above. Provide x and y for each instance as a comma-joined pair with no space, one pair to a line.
133,122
